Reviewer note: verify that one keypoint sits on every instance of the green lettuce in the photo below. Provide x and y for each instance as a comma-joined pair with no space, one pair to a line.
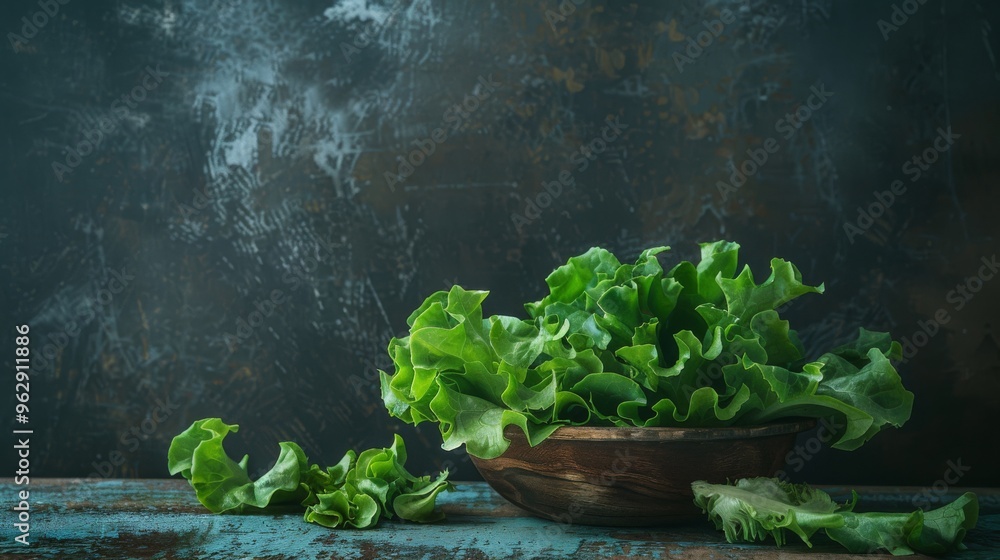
356,492
755,508
615,344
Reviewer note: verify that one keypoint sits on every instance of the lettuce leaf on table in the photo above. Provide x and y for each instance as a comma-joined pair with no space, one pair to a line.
753,509
356,492
634,345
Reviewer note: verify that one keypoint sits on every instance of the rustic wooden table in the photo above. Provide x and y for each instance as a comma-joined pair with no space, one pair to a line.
162,519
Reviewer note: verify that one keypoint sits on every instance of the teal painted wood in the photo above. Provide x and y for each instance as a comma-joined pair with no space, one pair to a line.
161,519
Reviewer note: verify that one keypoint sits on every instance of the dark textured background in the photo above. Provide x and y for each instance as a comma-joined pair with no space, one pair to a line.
258,164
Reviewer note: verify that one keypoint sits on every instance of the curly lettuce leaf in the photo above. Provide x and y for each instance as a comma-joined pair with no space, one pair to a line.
752,509
617,344
356,492
861,399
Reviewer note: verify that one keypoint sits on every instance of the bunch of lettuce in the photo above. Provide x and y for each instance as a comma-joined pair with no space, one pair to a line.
356,492
632,345
754,508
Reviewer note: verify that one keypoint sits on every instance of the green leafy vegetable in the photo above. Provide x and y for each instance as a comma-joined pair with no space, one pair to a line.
356,492
754,508
633,345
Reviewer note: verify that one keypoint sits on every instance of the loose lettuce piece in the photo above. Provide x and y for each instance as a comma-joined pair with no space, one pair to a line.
617,344
934,532
755,508
356,492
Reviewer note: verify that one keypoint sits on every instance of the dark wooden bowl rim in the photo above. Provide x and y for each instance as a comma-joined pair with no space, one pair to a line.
614,433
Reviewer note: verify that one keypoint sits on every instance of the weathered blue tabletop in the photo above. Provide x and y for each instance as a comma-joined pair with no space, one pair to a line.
162,519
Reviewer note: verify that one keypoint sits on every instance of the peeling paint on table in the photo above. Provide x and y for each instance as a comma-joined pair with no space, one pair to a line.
161,519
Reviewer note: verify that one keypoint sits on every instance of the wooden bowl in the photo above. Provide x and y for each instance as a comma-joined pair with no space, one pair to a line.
631,476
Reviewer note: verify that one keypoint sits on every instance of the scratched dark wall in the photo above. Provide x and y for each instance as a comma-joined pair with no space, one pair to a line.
244,167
